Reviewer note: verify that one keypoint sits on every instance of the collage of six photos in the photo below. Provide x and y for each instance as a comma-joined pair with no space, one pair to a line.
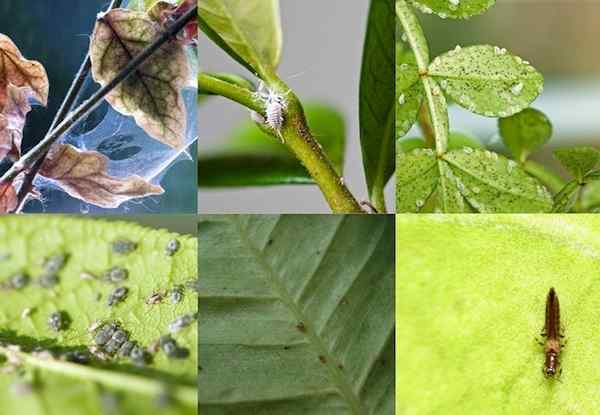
269,207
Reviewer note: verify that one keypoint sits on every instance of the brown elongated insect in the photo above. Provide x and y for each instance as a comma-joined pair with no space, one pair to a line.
552,333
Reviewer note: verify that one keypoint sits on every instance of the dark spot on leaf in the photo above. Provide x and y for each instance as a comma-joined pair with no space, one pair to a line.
301,327
323,359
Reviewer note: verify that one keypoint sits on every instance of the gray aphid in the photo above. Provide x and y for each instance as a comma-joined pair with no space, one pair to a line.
112,346
116,275
120,336
172,246
54,263
78,356
126,348
123,246
19,281
176,294
105,334
170,347
181,322
56,321
138,356
119,294
48,280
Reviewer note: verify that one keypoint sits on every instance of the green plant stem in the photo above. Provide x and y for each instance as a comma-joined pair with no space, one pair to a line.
95,100
297,137
209,84
187,395
425,125
417,42
546,176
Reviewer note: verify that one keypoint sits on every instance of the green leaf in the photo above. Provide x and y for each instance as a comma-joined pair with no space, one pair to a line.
376,103
252,157
457,141
525,132
455,9
408,144
465,180
578,161
409,93
234,79
590,197
417,176
248,30
487,80
297,315
566,198
474,305
24,244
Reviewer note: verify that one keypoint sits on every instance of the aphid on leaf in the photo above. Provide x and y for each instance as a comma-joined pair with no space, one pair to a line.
181,322
552,332
123,246
18,281
172,247
116,275
126,348
105,334
170,347
54,263
48,280
176,294
155,298
58,321
138,356
118,295
78,356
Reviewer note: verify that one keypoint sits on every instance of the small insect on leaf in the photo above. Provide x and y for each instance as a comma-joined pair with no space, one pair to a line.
172,247
58,321
123,246
552,333
116,275
117,295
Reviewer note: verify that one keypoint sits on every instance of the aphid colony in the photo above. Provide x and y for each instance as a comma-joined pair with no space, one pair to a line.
112,340
51,266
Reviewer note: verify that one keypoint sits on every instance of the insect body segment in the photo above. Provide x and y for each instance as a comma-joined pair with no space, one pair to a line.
275,108
552,333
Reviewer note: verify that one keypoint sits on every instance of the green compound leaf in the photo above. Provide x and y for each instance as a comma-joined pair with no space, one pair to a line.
578,161
248,30
525,132
253,157
296,314
487,80
590,197
46,386
473,292
471,179
409,93
566,198
455,9
376,104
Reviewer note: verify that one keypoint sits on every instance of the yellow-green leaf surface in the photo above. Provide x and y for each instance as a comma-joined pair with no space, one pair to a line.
152,95
296,315
456,9
473,294
487,80
33,383
249,30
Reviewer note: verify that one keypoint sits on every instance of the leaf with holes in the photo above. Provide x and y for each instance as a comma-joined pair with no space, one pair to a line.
84,175
486,277
578,161
456,9
152,95
487,80
296,314
39,375
248,30
525,132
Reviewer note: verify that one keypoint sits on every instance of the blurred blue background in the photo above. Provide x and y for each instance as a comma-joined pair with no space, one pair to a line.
56,33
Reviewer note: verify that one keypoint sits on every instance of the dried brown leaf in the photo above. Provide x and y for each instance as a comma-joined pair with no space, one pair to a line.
12,120
83,175
152,95
8,198
20,72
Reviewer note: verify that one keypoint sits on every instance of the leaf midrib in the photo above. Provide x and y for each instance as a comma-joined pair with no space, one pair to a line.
273,280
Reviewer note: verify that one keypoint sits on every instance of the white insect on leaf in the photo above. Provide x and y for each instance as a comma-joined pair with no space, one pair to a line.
275,108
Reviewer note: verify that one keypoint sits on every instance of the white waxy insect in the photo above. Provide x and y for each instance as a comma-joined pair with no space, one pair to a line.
275,107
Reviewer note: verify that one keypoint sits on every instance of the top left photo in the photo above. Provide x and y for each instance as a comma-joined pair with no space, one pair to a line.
98,107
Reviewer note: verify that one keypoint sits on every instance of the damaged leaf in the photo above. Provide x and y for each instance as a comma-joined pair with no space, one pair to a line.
8,198
152,94
18,71
12,121
84,175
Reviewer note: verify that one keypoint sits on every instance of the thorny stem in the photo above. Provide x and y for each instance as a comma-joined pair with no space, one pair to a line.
296,136
95,100
416,40
65,108
187,395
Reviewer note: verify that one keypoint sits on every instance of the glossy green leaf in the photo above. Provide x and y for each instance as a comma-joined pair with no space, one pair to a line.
50,385
467,179
457,141
413,32
248,30
473,292
487,80
578,161
455,9
525,132
253,157
296,314
376,96
566,198
409,93
408,144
